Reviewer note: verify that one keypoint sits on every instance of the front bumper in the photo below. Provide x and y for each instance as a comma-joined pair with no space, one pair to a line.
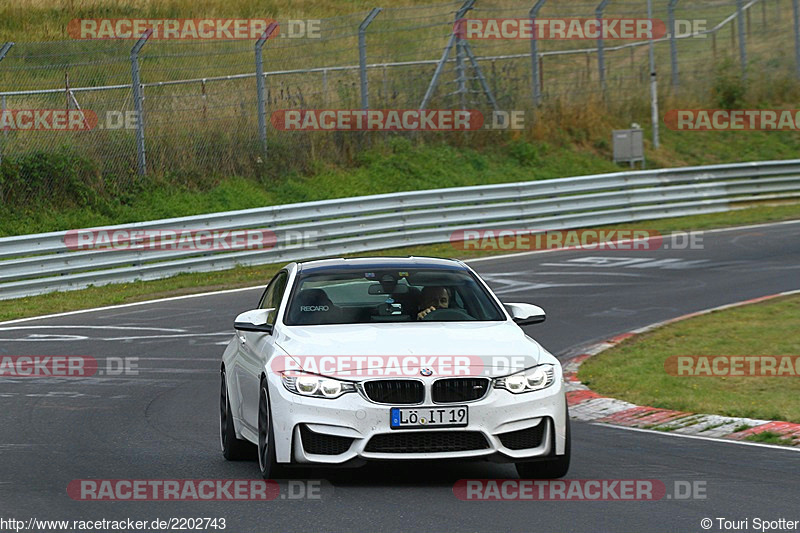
352,428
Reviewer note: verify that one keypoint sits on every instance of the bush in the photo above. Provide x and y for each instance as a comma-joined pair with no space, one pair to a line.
56,179
729,89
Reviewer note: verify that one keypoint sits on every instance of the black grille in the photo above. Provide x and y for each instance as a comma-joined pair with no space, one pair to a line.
395,391
454,390
524,438
427,442
320,444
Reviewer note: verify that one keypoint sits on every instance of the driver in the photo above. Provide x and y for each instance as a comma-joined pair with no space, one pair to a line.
433,298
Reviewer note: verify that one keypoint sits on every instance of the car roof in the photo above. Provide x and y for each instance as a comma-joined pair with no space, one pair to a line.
381,262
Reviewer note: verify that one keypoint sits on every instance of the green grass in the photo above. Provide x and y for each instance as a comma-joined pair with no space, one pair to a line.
260,275
398,165
769,437
634,371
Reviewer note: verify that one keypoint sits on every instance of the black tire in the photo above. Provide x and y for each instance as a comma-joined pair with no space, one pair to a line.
233,449
267,463
554,468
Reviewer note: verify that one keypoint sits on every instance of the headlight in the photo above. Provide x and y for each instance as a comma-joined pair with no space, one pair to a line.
316,386
536,378
307,385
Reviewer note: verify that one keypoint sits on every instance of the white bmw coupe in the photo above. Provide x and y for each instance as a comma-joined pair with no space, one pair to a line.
349,360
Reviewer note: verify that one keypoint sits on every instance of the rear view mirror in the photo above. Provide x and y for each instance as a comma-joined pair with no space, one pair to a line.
377,288
525,314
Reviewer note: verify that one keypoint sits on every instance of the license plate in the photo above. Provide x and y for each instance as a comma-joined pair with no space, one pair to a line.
418,417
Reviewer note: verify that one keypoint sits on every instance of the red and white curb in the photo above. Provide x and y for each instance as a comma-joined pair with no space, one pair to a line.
589,406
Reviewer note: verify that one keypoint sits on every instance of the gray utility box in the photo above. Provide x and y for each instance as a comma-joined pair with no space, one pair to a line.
628,146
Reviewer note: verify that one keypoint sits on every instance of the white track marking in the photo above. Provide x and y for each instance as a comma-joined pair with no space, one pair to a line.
65,338
718,230
123,328
698,437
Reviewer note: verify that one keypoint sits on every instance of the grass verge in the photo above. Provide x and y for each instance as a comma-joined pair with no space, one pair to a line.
634,371
397,165
254,276
769,437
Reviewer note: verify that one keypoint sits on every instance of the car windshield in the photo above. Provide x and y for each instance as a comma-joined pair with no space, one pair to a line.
349,296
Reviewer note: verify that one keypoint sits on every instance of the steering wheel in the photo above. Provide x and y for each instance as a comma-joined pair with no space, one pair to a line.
448,314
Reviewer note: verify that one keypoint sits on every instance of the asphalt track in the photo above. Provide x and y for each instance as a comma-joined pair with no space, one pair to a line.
162,423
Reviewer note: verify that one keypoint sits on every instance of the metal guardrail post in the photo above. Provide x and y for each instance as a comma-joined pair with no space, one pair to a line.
536,80
673,43
601,60
262,107
362,55
796,12
742,37
138,101
3,51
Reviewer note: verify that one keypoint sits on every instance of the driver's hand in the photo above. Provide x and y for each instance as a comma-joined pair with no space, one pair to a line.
424,312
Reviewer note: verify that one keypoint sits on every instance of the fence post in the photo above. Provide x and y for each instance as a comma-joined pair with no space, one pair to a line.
362,55
445,55
653,82
138,103
673,43
460,56
796,11
325,87
262,108
3,51
742,37
537,90
601,60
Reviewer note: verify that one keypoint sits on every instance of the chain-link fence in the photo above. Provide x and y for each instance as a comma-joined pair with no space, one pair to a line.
204,113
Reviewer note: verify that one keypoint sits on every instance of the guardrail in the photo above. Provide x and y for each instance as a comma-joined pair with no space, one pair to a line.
37,264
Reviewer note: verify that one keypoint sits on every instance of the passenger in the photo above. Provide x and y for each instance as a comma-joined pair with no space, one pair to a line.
433,298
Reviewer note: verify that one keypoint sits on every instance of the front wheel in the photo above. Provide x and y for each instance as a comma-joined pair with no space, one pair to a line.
552,468
266,439
233,448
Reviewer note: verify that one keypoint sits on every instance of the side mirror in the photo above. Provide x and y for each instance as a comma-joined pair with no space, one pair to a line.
526,314
255,320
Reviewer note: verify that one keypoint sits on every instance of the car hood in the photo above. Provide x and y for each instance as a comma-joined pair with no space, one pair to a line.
452,348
